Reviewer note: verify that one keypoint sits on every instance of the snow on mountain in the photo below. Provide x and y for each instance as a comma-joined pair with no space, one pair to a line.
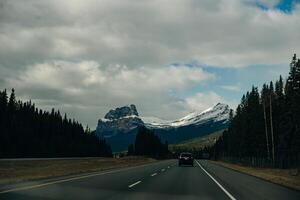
155,122
219,112
125,111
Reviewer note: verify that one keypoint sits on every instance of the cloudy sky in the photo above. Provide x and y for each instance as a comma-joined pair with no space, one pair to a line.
166,57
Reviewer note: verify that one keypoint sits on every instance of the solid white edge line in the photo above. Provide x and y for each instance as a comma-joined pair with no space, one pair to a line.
224,190
154,174
130,186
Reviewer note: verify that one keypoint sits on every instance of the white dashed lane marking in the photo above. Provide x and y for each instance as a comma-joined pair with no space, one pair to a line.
134,184
154,174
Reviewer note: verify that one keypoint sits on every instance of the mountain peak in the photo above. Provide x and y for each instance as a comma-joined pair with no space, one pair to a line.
218,105
121,112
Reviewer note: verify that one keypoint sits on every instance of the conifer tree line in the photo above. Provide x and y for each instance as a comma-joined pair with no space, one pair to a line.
26,131
266,124
148,144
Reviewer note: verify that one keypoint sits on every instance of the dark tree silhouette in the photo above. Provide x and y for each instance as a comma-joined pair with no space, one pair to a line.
266,126
148,144
26,131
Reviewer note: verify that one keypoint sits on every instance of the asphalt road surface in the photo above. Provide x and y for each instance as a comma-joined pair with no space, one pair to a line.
162,180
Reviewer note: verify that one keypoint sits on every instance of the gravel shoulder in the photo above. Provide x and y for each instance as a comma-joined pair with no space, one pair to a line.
286,177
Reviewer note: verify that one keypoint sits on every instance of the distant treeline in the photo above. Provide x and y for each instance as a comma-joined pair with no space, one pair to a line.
148,144
266,125
26,131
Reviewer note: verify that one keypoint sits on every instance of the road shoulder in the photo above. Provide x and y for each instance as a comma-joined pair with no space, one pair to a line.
284,177
14,172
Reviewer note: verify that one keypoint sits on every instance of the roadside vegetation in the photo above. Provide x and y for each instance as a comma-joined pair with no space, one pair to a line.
13,171
265,129
26,131
196,144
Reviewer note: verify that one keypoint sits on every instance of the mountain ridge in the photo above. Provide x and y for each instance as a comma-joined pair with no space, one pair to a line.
119,126
193,117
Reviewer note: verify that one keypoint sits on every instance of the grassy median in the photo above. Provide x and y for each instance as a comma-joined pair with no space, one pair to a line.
286,177
24,170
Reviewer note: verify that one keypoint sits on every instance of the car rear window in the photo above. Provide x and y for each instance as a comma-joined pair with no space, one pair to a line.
186,155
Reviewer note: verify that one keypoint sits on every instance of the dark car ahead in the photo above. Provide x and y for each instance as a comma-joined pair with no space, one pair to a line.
186,159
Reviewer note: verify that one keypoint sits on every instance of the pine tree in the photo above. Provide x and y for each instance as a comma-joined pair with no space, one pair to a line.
279,88
12,101
130,150
292,81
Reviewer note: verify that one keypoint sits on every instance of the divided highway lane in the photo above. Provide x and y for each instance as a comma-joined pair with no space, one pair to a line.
101,185
157,181
244,186
177,183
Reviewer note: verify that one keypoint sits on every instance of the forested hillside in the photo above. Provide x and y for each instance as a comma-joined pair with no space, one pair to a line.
26,131
266,125
148,144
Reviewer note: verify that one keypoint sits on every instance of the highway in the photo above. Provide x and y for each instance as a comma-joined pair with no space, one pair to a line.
161,180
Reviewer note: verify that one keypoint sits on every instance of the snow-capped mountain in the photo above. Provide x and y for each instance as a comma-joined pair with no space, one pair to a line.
219,112
119,126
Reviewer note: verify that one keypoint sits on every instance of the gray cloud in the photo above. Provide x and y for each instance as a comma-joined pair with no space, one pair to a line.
117,52
136,33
